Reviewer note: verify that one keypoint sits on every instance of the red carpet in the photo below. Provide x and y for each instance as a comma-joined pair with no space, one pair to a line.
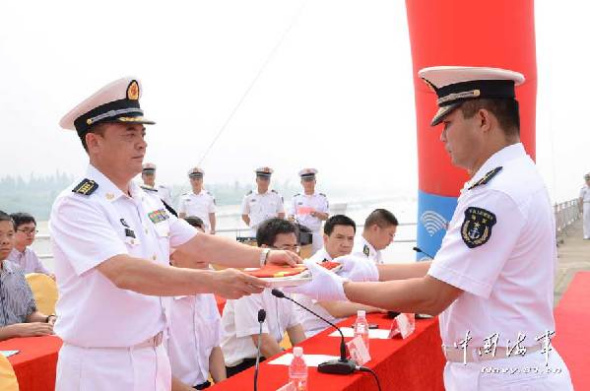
572,317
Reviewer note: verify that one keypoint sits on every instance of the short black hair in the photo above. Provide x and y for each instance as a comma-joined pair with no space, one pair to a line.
382,217
505,110
267,231
96,129
6,217
195,221
21,218
338,220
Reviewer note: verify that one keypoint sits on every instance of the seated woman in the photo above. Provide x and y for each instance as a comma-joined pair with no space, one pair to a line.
18,313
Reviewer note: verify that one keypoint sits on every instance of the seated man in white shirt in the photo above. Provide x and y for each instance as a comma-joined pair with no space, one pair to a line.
195,335
378,233
240,317
22,254
339,232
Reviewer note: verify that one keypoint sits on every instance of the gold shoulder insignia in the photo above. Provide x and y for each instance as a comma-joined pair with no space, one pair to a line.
86,187
366,250
486,178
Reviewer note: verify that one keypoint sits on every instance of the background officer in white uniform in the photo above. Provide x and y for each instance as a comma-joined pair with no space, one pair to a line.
261,204
195,335
585,206
148,175
111,243
378,233
310,208
493,275
198,202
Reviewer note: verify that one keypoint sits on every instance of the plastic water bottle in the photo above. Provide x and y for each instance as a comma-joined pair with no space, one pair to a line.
298,370
361,327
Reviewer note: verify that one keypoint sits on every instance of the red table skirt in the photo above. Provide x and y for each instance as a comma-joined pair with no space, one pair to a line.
36,362
415,363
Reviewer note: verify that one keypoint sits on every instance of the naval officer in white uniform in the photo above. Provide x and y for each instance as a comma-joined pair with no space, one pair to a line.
198,202
585,206
261,204
311,208
492,279
378,233
148,175
111,243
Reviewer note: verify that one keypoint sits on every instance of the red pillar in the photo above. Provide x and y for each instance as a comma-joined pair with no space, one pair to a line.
491,33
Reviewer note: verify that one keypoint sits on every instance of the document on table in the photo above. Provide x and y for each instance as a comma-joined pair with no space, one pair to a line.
373,333
312,360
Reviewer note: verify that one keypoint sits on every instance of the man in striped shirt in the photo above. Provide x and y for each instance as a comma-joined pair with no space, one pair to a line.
18,313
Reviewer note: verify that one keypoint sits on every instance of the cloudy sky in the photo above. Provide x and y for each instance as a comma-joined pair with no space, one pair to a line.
292,83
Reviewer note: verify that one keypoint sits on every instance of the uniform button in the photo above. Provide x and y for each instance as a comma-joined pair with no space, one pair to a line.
146,231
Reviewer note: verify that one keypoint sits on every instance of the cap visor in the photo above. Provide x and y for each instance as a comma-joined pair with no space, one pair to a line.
443,112
134,120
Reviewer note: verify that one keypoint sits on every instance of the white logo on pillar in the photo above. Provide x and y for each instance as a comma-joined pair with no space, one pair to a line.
433,222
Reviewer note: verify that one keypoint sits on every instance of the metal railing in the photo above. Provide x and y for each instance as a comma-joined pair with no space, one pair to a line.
566,213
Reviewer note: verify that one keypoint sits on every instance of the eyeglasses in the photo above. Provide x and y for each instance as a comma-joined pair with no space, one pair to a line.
296,249
28,231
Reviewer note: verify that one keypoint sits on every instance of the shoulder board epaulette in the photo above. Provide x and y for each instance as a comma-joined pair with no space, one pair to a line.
297,195
86,187
248,193
274,191
487,177
147,188
323,195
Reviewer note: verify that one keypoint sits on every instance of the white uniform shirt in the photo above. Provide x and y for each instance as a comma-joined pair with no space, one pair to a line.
200,205
240,322
85,231
163,192
311,323
364,249
301,204
261,207
195,329
585,194
508,279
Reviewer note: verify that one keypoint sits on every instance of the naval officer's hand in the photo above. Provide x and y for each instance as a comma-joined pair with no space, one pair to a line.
357,268
325,285
283,257
233,284
34,329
